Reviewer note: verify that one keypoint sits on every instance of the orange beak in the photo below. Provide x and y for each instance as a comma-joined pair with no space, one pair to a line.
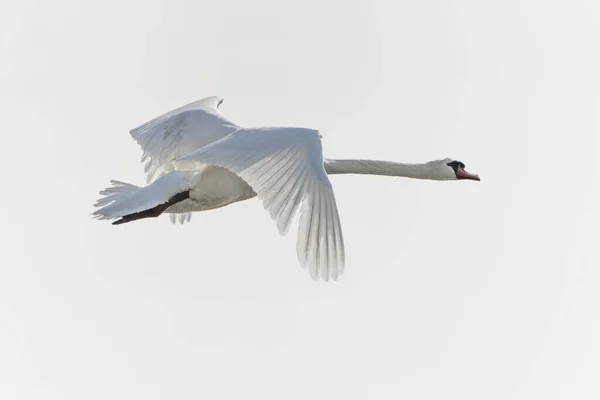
466,175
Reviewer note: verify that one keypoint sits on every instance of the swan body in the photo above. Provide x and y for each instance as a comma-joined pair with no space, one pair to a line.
197,160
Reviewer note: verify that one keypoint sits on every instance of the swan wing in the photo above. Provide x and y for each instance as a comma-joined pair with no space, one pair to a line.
284,166
179,132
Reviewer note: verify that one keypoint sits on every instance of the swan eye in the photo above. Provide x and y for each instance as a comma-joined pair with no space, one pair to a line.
462,165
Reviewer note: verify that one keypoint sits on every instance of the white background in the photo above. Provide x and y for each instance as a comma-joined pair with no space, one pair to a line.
452,290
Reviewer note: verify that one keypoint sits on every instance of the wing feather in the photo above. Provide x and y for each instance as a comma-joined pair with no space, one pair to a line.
179,132
284,166
284,220
275,201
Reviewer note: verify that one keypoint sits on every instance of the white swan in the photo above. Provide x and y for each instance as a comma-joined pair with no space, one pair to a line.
198,160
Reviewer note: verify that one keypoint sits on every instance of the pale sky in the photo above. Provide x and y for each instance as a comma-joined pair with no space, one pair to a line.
452,290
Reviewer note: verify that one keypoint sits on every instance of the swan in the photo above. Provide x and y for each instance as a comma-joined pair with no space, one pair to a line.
196,159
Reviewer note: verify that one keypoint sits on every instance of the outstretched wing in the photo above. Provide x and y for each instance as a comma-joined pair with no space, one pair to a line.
180,132
284,166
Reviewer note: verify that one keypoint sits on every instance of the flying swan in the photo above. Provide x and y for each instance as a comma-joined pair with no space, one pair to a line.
197,160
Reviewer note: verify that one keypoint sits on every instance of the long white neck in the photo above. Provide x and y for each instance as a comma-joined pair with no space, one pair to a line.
375,167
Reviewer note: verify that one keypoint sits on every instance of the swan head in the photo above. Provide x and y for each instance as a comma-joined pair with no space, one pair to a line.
449,169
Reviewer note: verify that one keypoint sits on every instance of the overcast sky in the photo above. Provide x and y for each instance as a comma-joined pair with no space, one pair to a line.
459,290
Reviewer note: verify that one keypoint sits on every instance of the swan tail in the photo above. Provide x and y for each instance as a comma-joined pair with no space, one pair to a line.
123,202
154,211
116,192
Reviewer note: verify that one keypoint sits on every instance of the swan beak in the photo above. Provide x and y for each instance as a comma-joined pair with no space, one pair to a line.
462,174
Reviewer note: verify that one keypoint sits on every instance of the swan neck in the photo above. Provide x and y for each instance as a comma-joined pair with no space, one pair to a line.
376,167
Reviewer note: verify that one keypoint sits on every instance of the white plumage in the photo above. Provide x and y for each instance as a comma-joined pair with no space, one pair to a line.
284,166
178,132
196,160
